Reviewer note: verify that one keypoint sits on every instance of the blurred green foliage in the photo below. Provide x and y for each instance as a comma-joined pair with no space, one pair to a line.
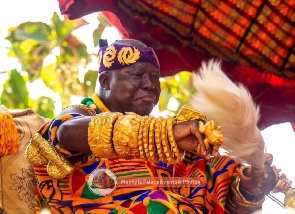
50,53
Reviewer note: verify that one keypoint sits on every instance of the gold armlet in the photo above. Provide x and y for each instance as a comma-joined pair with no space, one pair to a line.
242,175
100,132
40,152
125,136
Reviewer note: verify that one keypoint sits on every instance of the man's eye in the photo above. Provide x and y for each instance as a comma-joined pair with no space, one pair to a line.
138,75
156,76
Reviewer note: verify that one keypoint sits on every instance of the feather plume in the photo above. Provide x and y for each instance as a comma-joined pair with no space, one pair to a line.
231,106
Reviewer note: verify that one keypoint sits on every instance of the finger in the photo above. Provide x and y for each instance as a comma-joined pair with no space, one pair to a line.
265,176
200,138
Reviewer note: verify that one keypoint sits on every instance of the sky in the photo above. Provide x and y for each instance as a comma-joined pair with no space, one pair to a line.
279,139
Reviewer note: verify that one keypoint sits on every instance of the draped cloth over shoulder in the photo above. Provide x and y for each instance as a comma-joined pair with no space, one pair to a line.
17,180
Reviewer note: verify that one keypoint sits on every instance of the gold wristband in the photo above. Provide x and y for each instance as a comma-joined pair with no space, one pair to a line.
100,132
164,140
125,137
160,152
187,113
173,145
152,153
140,141
145,136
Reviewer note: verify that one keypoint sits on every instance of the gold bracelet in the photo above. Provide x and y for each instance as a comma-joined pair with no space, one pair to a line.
160,152
145,136
152,153
173,145
100,131
187,113
140,142
125,136
241,199
199,150
242,175
164,141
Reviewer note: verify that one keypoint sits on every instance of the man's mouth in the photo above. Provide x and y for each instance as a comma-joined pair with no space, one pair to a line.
148,98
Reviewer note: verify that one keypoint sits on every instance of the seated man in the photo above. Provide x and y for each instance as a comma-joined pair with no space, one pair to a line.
110,142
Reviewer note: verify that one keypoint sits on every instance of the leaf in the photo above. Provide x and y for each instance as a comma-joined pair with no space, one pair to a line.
15,94
45,107
103,23
51,78
62,29
36,31
89,82
82,52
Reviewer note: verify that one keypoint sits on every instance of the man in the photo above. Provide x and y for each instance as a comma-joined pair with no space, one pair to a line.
120,160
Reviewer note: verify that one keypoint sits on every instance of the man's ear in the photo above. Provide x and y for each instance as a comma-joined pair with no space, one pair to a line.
104,80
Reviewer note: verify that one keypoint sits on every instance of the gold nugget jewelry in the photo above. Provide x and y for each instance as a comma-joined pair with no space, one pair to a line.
125,137
100,131
242,175
213,134
158,127
173,145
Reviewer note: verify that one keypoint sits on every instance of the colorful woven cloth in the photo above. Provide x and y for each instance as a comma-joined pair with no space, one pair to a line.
73,194
202,186
254,39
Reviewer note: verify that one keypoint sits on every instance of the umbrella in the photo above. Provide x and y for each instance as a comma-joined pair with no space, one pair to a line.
254,39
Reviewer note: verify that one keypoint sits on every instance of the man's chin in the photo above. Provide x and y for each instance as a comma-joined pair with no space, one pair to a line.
143,110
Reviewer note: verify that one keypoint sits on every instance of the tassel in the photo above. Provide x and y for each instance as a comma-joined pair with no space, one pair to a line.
9,137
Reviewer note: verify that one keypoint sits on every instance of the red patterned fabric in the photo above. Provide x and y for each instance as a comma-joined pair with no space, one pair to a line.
254,39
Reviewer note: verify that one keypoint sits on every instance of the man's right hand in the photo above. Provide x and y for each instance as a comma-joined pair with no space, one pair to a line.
188,137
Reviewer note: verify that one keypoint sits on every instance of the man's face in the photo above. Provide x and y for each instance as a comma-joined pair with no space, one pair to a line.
135,88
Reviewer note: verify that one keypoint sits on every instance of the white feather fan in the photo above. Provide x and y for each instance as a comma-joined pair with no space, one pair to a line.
231,106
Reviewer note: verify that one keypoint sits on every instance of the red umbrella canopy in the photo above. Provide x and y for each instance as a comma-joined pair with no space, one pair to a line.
254,39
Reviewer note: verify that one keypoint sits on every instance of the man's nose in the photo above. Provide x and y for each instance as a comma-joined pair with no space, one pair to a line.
147,83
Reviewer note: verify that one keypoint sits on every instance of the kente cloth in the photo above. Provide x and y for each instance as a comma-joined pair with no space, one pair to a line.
17,180
73,194
254,39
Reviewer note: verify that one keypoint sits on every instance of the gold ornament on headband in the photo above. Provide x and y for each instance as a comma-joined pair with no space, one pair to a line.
127,55
109,56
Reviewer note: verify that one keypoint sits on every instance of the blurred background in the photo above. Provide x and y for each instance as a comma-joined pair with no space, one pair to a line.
48,62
